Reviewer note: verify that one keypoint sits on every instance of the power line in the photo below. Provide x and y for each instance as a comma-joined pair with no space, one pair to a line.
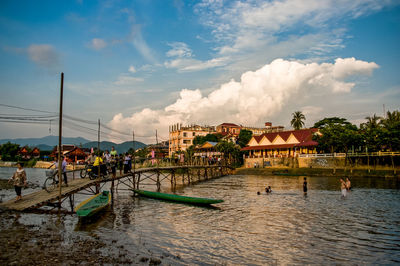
27,109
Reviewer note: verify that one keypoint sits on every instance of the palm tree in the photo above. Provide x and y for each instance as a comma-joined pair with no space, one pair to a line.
372,122
297,120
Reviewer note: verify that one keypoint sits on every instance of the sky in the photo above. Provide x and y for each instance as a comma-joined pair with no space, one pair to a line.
140,66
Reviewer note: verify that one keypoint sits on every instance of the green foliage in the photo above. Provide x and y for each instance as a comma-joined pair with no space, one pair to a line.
376,134
199,140
391,131
297,120
244,137
142,153
9,151
230,150
338,135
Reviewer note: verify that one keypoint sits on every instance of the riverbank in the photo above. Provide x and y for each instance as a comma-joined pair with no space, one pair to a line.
316,172
49,243
39,164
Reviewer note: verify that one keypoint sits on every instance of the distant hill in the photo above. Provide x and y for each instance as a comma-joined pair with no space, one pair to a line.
49,140
48,143
120,148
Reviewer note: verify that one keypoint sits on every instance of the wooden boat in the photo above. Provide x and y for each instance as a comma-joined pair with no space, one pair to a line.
93,204
177,198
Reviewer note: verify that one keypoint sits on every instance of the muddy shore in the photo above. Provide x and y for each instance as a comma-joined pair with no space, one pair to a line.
49,243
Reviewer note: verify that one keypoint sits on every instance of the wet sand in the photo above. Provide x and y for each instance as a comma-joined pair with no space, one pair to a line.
48,243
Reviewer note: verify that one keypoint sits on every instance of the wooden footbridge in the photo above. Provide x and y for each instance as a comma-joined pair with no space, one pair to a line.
184,175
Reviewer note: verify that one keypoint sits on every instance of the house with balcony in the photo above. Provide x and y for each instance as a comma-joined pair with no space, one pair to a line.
181,137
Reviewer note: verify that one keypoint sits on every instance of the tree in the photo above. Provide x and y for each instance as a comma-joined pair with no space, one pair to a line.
372,132
297,120
244,137
199,140
391,130
230,150
337,135
9,151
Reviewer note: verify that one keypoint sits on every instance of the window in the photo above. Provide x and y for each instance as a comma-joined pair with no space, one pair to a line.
194,134
184,134
186,141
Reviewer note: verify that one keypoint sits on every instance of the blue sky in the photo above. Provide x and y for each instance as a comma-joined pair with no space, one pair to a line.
144,65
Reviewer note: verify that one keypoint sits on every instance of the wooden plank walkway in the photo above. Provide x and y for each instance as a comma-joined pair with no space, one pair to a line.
41,198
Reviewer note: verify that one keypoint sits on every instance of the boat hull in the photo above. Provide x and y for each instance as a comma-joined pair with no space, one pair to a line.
93,205
177,198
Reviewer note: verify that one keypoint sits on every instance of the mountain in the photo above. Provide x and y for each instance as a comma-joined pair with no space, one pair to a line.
120,148
48,143
49,140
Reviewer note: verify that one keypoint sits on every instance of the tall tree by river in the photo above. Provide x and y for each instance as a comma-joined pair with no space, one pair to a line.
297,120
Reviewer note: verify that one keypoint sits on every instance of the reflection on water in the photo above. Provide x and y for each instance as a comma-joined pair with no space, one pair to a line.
283,227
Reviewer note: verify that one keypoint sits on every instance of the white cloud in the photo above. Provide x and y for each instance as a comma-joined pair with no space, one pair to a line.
98,44
140,44
183,59
43,54
259,94
179,49
239,26
125,80
132,69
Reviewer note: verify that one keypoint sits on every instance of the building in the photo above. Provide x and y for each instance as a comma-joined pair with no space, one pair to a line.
229,131
283,144
26,154
181,137
257,131
71,152
159,150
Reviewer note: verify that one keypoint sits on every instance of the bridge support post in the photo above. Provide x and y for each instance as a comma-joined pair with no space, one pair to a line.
158,181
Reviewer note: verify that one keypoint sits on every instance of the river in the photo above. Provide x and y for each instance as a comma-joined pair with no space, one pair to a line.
284,227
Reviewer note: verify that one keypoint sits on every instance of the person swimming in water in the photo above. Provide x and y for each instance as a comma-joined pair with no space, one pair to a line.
268,189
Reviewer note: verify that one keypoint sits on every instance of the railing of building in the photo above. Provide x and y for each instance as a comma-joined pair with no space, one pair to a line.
328,155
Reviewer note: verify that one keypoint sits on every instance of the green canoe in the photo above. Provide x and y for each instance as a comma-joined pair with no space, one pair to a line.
177,198
93,204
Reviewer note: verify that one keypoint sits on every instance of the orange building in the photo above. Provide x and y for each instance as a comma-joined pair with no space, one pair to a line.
181,137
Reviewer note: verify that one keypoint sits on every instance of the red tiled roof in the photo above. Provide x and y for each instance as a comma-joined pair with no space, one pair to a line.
229,125
280,146
304,136
301,135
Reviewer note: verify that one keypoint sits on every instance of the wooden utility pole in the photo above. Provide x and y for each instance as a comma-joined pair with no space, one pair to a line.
98,154
156,137
60,139
134,153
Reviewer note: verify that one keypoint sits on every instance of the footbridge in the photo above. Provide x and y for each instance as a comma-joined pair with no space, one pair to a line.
44,201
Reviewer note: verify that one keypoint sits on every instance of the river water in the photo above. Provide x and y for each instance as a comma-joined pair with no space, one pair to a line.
284,227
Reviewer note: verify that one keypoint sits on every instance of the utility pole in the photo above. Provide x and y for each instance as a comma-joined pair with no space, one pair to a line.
134,153
98,150
60,139
156,137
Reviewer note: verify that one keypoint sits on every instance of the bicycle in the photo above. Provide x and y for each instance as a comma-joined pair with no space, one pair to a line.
86,170
51,181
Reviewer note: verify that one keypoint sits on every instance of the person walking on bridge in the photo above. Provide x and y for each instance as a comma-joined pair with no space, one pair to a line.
19,180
